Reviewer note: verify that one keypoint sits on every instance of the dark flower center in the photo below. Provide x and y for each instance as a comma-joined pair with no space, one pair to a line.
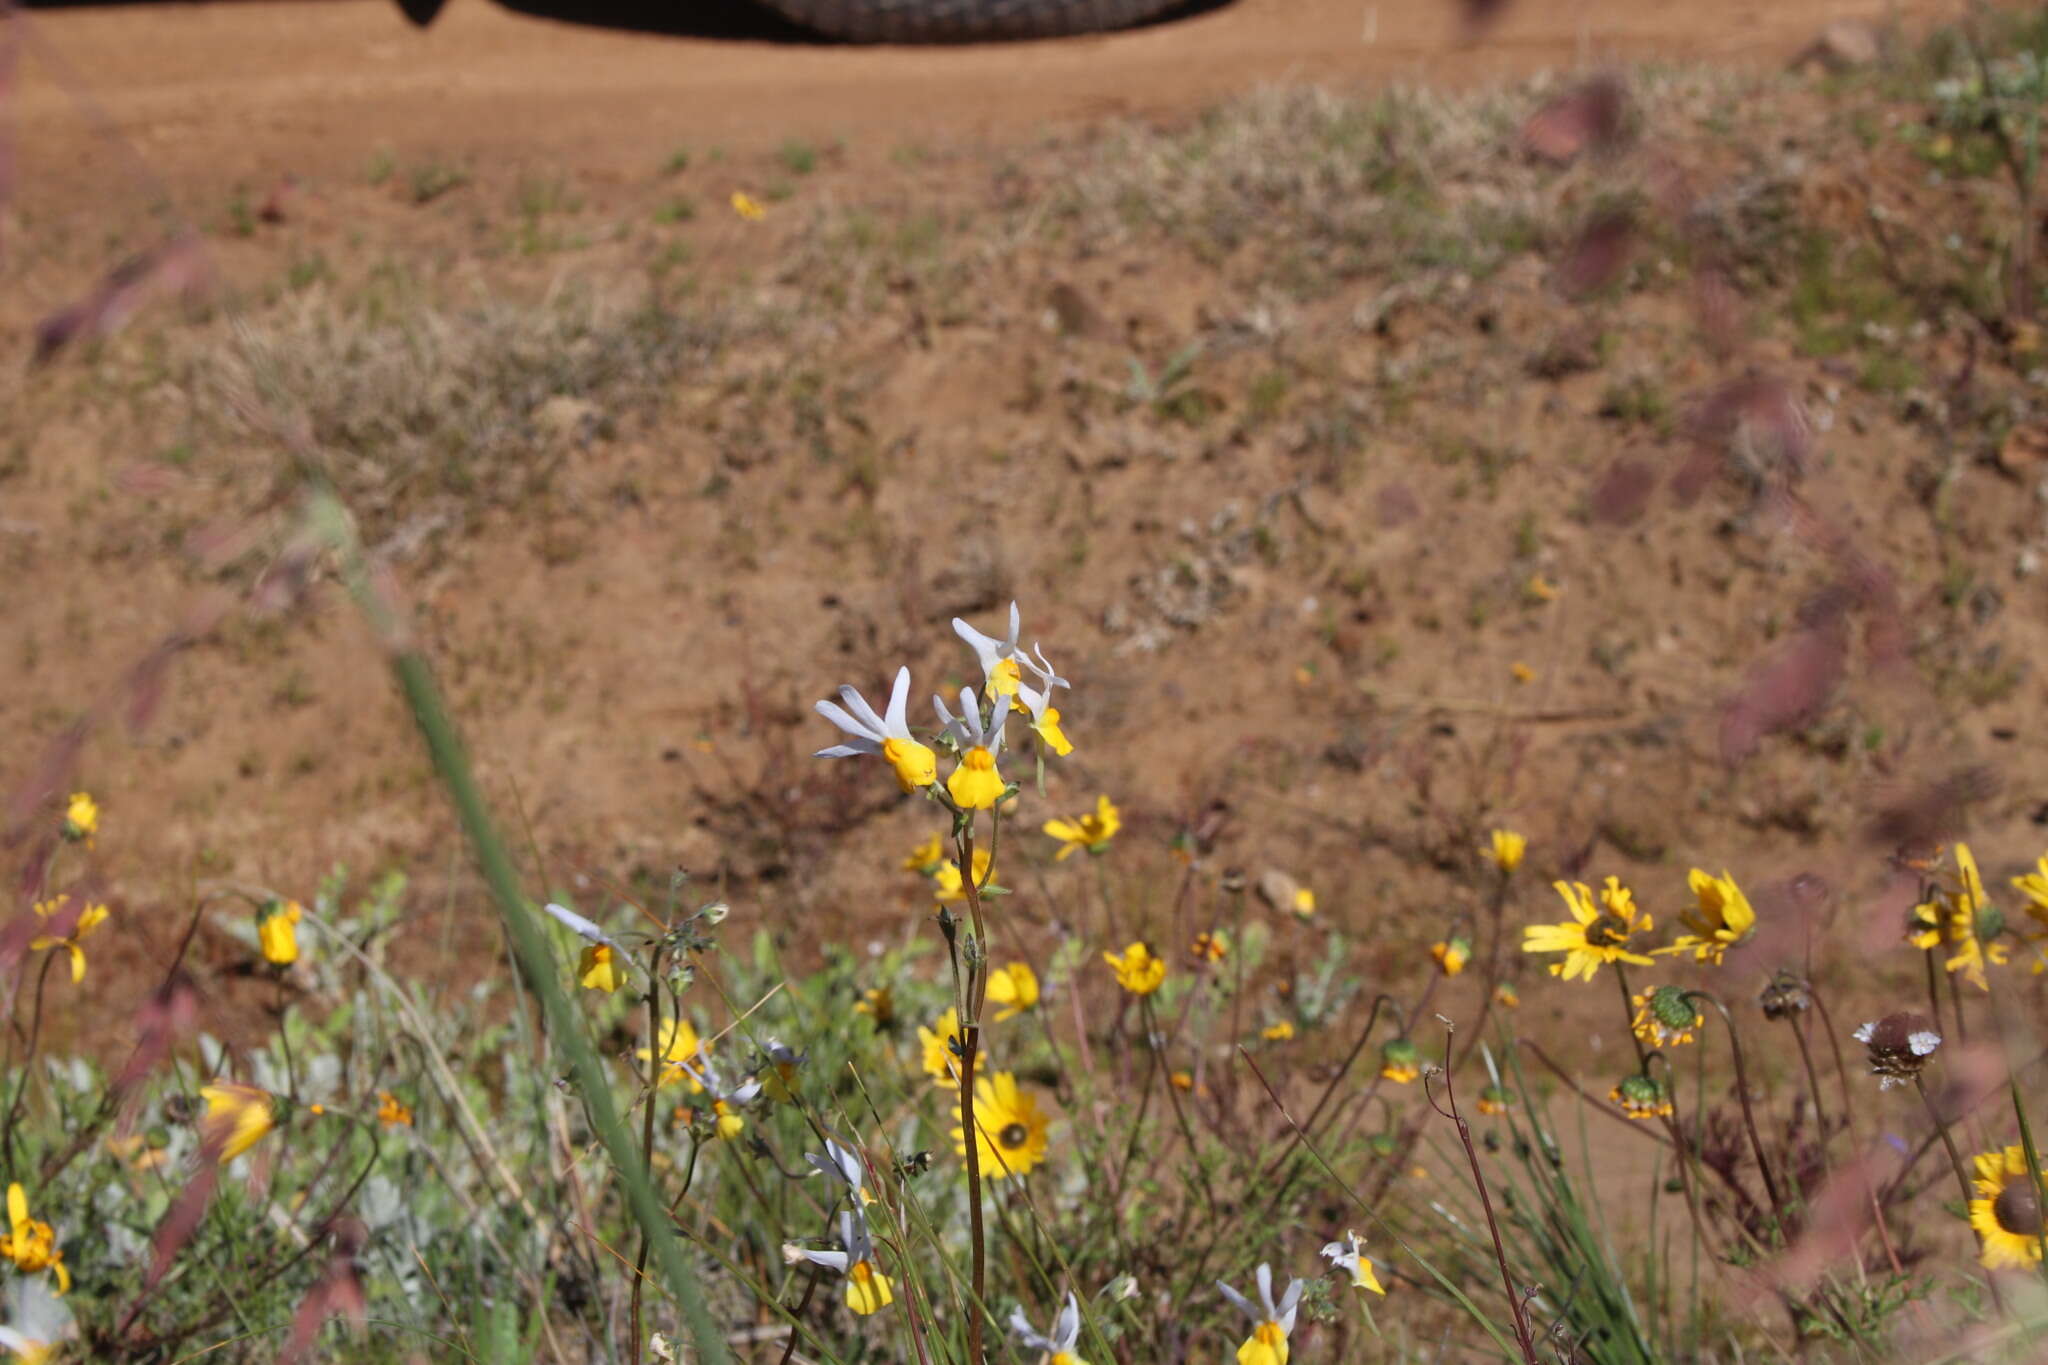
2018,1207
1607,930
1013,1135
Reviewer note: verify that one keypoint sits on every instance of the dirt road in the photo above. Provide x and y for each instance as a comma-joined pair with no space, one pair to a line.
261,88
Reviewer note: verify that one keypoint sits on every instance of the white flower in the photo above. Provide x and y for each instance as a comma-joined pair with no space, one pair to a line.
1057,1344
867,1288
999,669
577,925
890,739
1271,1322
843,1164
1349,1256
37,1319
975,784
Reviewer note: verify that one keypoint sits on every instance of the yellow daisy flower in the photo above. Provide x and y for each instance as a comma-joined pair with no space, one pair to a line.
748,207
947,887
391,1111
1505,848
1494,1101
88,920
1013,990
1137,970
926,857
1506,996
237,1117
1974,923
1451,954
1400,1061
1086,832
1011,1127
2007,1211
81,818
1642,1096
1593,935
1724,918
1278,1033
879,1004
941,1062
1211,945
1923,925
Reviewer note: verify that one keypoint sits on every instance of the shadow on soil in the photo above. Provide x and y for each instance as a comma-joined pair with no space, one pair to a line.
727,20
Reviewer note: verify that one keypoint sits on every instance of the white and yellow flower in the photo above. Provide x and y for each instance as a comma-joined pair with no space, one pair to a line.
1001,673
867,1288
1271,1322
1056,1346
1349,1256
975,784
38,1322
888,738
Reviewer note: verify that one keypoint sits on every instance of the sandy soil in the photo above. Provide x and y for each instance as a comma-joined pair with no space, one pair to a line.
252,90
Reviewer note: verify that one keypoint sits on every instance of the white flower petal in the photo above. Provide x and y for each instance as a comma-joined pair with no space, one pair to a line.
857,749
1243,1304
839,717
899,701
576,924
856,703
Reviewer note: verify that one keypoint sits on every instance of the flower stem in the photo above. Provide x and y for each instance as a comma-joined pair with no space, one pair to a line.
1523,1337
1756,1142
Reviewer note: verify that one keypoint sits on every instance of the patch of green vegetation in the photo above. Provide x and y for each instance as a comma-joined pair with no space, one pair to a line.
797,157
430,180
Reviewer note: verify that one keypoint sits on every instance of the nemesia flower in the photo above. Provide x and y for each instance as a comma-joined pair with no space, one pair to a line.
1400,1061
777,1067
914,764
1723,919
1505,848
1451,954
391,1111
1642,1096
1000,670
867,1288
598,968
37,1323
88,920
237,1117
1665,1016
30,1244
1279,1032
1056,1346
941,1058
1011,1127
1349,1256
1898,1046
1045,719
680,1047
1592,935
1271,1322
1086,832
1974,923
2007,1210
277,931
1182,1080
81,818
1137,970
1211,945
842,1166
1013,990
1494,1101
726,1099
947,886
926,856
975,783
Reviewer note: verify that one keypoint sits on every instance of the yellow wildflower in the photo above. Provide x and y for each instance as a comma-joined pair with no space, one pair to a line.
2006,1212
1279,1032
30,1244
975,783
1209,946
1642,1096
1013,990
1451,954
941,1057
1089,832
1011,1127
879,1004
1665,1017
748,207
1349,1256
88,920
1137,970
1400,1061
237,1117
681,1053
1723,919
599,968
81,818
1975,924
926,857
1592,935
1505,848
277,932
886,736
391,1111
946,883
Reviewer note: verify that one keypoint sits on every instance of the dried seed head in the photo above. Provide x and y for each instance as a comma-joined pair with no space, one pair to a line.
1785,996
1898,1045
